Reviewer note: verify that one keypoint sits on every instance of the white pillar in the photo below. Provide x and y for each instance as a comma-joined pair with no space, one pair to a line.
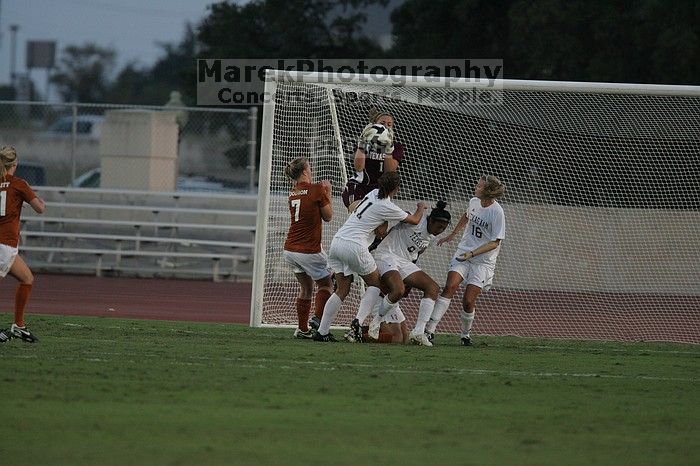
138,150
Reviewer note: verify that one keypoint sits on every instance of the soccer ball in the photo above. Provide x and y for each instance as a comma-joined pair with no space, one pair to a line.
378,136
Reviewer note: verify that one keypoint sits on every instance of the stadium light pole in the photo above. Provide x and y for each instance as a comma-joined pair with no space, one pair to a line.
13,52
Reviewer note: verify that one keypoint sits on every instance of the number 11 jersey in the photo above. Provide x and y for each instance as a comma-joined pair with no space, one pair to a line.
368,215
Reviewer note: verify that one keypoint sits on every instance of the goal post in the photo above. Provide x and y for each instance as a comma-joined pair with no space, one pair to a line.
602,203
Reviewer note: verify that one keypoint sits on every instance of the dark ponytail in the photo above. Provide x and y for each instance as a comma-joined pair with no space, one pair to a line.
439,213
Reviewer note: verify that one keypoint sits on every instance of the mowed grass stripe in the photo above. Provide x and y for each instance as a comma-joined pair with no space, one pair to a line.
264,363
110,391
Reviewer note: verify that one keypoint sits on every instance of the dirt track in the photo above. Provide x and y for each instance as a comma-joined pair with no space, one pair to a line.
165,299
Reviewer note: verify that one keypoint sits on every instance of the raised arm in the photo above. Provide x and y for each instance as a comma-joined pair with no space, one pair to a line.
359,159
457,230
414,218
327,210
390,163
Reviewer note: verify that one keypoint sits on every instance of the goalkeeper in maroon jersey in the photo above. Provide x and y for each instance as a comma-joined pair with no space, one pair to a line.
371,160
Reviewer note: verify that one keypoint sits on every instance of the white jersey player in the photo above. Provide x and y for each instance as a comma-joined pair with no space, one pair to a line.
348,253
396,256
474,261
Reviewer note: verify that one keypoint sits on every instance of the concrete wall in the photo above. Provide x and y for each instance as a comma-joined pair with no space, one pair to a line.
578,249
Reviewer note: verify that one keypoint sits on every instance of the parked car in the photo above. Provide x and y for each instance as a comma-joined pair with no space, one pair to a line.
91,179
32,172
87,127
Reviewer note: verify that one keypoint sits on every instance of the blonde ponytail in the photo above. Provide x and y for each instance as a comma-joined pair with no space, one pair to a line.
8,159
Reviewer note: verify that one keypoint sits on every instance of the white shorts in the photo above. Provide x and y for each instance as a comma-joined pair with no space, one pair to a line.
8,254
388,262
348,257
394,317
473,274
313,265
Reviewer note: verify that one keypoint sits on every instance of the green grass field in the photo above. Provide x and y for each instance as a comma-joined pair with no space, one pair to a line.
109,391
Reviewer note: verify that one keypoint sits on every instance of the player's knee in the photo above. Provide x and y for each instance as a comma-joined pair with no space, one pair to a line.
305,291
28,279
432,291
449,291
469,305
325,283
397,292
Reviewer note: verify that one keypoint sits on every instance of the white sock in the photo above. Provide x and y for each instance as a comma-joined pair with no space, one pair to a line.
369,299
425,310
466,321
439,310
330,310
387,306
359,176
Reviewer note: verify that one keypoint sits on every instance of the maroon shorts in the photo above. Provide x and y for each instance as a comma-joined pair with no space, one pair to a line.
355,191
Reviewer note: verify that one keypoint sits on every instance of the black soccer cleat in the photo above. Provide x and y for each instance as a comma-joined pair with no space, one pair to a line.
5,335
23,333
356,330
431,336
466,341
326,337
314,322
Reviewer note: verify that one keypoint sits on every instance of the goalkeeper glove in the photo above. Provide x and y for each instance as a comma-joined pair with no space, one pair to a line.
388,148
365,140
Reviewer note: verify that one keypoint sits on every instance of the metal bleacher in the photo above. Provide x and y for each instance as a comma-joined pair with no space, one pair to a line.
141,233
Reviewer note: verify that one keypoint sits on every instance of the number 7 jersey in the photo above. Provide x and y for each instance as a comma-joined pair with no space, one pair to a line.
485,224
305,202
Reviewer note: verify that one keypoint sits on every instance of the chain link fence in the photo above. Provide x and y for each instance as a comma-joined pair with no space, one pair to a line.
64,144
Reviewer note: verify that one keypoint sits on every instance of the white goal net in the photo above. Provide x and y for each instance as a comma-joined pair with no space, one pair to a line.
602,203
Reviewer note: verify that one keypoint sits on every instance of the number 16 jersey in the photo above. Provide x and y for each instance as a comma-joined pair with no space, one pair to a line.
485,224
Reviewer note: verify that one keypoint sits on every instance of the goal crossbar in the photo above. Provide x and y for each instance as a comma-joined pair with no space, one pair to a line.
470,83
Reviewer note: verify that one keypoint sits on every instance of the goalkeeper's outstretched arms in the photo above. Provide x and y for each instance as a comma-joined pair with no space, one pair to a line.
376,153
377,149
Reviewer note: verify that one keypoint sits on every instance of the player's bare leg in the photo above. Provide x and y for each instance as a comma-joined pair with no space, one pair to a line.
303,305
24,275
423,282
324,292
466,316
454,279
343,284
395,289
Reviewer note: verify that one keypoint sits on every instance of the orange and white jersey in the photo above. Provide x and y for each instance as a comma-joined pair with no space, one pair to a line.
14,192
305,202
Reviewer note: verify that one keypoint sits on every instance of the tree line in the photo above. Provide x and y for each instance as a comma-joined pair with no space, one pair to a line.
643,41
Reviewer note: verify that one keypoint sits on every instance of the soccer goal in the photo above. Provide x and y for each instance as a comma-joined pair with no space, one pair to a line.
602,203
